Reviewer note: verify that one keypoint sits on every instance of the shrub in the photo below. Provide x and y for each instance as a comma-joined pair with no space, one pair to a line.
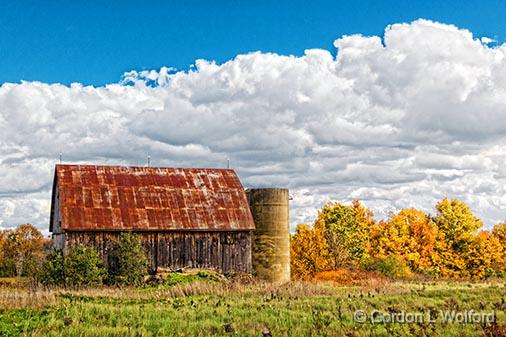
390,266
32,270
128,263
175,278
349,277
7,268
83,267
53,269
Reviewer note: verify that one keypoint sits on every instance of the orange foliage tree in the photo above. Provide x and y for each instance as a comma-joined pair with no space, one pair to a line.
447,245
309,252
409,235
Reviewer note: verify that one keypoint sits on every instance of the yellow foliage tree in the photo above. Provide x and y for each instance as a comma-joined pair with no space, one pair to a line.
4,268
365,224
499,233
481,254
3,235
346,230
410,235
448,245
25,247
339,238
309,253
457,226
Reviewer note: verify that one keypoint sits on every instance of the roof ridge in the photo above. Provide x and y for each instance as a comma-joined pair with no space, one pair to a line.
145,167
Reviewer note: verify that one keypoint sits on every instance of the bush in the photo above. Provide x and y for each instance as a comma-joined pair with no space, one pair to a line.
128,263
8,268
83,267
349,277
176,278
53,273
391,266
32,268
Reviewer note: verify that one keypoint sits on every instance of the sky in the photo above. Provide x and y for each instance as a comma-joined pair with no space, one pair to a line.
95,42
395,103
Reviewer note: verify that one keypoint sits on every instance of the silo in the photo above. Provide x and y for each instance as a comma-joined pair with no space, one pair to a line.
271,239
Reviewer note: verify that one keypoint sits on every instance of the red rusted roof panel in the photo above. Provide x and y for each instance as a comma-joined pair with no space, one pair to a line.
149,198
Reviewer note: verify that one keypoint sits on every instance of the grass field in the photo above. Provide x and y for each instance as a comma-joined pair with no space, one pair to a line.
200,307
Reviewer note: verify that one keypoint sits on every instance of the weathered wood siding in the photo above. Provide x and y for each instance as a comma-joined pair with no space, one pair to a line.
55,225
223,251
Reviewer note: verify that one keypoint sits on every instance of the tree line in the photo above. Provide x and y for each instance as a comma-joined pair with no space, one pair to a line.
24,252
451,244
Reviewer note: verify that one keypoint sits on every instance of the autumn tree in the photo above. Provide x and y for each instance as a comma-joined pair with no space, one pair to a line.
499,232
309,253
346,230
24,246
7,265
365,223
409,235
339,238
447,245
482,254
457,226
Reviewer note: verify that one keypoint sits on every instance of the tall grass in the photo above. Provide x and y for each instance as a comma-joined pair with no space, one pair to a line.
243,309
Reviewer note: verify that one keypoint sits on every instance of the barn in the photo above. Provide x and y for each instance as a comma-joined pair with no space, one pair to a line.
186,217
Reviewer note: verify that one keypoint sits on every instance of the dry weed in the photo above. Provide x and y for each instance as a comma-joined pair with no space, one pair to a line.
14,298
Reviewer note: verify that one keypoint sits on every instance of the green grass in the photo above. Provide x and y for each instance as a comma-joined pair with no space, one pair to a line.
173,279
289,310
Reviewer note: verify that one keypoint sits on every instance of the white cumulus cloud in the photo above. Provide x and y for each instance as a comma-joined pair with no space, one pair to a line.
400,120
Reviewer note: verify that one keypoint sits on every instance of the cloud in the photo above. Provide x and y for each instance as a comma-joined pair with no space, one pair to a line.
401,120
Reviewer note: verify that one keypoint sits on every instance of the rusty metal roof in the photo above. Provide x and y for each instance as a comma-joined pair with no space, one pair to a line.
104,198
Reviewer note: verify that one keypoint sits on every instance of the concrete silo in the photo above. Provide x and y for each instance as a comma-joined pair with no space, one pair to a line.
271,239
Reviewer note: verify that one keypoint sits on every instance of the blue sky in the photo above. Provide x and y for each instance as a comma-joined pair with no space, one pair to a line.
95,42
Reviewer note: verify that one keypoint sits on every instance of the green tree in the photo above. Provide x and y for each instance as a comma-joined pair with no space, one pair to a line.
129,263
53,271
83,267
347,232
